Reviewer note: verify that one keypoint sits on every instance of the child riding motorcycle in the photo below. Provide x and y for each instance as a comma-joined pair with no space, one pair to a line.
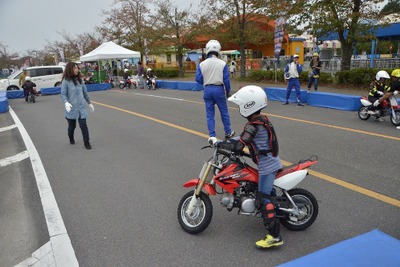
378,88
149,78
259,136
29,87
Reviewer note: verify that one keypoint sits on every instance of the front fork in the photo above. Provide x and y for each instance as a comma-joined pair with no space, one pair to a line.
204,174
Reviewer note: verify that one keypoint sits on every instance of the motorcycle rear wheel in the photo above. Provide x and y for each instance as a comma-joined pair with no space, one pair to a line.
395,121
306,202
201,216
363,113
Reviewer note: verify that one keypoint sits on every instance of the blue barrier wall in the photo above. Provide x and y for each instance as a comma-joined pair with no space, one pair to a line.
279,94
190,86
335,101
90,88
3,102
15,94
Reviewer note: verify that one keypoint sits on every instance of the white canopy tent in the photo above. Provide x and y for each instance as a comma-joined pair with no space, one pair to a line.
109,50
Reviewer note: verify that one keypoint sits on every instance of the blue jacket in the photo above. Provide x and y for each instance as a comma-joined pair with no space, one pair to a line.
77,96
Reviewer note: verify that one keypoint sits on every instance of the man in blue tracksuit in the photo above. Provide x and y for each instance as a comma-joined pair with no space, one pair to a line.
292,74
213,74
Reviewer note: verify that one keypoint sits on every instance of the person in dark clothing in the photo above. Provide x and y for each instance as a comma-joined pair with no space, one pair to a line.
140,75
28,87
378,88
315,68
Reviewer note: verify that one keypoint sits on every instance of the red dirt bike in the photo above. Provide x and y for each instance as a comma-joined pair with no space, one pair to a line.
128,83
296,208
389,107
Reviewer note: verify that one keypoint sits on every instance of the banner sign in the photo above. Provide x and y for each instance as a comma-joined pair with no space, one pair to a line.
278,35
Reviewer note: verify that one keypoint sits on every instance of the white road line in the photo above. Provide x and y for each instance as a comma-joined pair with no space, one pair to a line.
16,158
3,129
64,254
165,97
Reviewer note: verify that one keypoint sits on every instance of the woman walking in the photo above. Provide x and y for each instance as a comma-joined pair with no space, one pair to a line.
74,96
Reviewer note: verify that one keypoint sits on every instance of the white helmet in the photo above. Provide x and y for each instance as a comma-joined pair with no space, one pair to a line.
125,70
213,46
382,74
148,69
250,99
27,78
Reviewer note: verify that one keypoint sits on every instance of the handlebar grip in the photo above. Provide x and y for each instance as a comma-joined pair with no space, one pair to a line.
224,152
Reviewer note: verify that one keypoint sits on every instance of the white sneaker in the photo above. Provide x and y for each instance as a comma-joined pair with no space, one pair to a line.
379,119
398,127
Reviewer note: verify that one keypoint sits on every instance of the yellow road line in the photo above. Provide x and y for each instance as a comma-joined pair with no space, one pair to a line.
311,122
322,176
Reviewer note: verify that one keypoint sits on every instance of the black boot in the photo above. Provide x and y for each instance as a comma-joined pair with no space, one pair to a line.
71,139
87,145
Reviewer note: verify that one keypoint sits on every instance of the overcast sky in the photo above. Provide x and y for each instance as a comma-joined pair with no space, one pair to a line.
27,24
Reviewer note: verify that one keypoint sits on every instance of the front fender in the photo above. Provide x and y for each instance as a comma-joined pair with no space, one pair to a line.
207,187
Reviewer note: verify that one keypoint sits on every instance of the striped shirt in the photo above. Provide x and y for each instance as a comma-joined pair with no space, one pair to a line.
266,163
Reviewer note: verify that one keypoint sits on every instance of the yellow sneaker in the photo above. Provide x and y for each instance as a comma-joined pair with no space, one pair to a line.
269,241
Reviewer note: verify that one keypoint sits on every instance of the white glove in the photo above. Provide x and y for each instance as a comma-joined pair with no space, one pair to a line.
91,107
376,103
395,92
212,141
68,106
380,93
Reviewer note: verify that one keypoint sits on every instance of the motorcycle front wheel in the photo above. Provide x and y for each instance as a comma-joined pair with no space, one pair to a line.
307,203
363,113
395,118
121,86
201,216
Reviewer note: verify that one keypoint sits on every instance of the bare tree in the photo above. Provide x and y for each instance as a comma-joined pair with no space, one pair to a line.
125,23
351,20
239,22
174,28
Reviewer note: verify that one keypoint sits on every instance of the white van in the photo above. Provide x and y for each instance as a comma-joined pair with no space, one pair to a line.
42,76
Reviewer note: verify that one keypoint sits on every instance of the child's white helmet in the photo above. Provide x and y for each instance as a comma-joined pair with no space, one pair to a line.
27,78
250,99
382,74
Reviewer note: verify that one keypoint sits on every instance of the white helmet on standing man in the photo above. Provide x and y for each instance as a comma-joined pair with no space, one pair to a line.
250,99
213,46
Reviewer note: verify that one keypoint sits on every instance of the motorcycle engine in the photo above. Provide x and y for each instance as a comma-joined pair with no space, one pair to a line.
248,205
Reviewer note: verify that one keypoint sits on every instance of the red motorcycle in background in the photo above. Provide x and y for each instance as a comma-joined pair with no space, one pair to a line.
389,107
228,175
128,83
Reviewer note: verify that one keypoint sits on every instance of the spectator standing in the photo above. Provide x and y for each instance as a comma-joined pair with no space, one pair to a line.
140,75
22,77
213,74
292,74
232,69
314,72
74,96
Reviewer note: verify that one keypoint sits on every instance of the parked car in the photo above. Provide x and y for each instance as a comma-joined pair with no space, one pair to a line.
42,76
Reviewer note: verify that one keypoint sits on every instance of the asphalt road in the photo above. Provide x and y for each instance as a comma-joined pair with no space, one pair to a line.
119,200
